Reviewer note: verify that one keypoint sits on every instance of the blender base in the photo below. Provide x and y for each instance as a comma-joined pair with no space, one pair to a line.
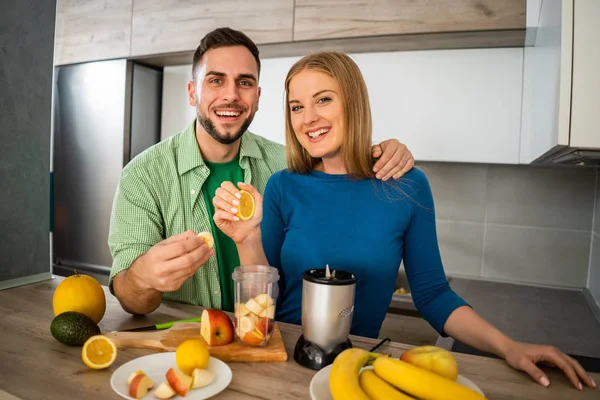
312,356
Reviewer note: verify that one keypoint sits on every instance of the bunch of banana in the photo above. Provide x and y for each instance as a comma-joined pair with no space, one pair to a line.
389,379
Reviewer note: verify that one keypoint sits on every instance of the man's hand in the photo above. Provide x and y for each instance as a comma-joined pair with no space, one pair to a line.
394,159
168,264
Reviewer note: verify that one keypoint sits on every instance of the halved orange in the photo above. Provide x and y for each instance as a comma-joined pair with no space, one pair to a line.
246,207
99,352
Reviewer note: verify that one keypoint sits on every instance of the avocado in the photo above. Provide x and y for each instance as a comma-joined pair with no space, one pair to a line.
73,328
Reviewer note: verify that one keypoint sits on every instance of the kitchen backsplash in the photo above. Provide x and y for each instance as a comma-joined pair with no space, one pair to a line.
594,274
519,223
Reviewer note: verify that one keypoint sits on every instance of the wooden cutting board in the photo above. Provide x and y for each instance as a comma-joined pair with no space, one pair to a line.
169,339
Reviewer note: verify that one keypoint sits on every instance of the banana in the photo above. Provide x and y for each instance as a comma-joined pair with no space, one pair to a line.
343,377
421,383
378,389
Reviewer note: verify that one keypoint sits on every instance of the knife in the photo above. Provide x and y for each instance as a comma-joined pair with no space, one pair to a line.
158,327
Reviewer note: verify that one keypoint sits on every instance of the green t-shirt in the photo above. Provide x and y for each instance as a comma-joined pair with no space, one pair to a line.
225,248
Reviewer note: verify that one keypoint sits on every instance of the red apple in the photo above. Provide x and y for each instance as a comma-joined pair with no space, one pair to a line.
139,385
265,326
216,327
164,391
179,381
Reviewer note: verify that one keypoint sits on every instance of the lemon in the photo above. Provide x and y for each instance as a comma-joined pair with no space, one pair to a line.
192,354
246,207
99,352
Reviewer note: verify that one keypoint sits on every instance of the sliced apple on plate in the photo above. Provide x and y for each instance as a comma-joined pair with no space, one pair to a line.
164,391
202,378
140,385
179,381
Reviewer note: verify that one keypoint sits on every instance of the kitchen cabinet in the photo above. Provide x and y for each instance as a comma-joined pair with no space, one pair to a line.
561,88
88,30
179,25
315,19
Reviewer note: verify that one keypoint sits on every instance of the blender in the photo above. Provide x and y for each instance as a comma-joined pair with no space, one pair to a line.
327,310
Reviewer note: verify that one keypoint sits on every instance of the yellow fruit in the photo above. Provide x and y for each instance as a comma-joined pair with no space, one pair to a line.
378,389
99,352
343,377
208,239
246,207
434,359
80,293
420,383
192,354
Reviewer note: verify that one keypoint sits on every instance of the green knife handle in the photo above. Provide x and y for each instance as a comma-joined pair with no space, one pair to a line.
167,325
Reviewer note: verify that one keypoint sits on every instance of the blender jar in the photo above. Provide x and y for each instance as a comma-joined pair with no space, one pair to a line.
255,295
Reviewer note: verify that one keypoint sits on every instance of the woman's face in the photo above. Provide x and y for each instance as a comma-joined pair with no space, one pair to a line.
317,113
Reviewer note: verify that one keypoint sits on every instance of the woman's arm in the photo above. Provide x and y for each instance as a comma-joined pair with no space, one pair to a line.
452,316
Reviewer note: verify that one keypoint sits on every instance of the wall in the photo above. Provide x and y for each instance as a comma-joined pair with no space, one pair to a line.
594,274
518,223
26,60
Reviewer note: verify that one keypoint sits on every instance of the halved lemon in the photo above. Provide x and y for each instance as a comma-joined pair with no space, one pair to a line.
208,239
246,207
99,352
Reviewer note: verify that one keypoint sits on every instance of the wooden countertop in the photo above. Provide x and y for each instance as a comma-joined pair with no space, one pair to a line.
34,365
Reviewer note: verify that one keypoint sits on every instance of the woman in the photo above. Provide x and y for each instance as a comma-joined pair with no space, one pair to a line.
329,209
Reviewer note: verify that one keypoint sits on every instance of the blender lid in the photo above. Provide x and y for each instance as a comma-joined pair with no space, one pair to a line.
325,277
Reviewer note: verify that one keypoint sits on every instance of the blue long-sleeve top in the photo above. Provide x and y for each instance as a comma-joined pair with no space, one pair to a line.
366,227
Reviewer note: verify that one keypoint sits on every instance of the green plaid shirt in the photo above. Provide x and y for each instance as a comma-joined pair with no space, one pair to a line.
160,195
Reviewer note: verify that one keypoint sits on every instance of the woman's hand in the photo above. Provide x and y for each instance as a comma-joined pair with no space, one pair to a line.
524,356
226,202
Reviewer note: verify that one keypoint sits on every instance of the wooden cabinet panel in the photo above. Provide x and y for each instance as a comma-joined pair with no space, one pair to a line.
88,30
316,19
179,25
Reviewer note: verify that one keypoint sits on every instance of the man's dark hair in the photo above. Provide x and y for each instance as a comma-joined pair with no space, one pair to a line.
222,37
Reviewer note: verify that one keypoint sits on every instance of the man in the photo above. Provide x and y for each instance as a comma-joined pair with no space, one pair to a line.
164,196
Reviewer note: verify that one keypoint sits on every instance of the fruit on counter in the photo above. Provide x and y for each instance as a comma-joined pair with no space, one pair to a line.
73,328
140,385
378,389
246,207
202,378
434,359
81,293
208,239
343,377
420,383
99,352
192,354
216,327
164,391
179,381
253,338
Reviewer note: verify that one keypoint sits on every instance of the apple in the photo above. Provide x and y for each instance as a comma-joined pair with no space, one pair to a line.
139,385
434,359
253,306
245,325
264,300
139,371
179,381
241,310
216,327
253,338
164,391
265,326
202,378
268,312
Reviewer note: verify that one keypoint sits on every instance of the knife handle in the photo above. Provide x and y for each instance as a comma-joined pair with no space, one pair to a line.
167,325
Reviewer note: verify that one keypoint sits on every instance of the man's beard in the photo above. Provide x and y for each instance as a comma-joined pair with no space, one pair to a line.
210,128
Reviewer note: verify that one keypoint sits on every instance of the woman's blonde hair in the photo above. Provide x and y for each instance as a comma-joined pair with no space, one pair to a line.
356,122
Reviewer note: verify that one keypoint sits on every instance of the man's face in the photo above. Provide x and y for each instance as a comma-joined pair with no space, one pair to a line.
225,92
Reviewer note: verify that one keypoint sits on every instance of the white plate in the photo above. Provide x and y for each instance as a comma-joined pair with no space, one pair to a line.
156,366
319,385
